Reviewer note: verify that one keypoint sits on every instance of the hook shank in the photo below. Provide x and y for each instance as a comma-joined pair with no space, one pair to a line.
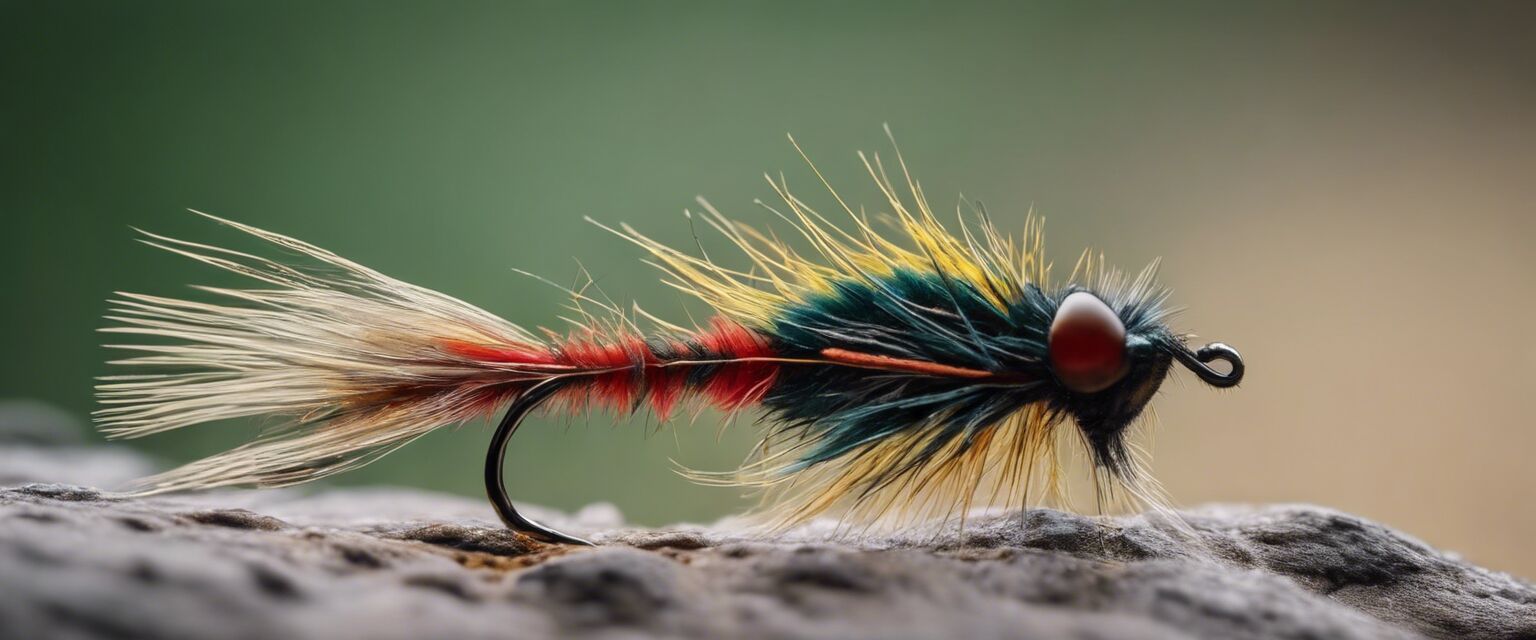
495,486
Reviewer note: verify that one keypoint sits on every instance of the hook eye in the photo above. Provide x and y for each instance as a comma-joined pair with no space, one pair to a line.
496,489
1197,362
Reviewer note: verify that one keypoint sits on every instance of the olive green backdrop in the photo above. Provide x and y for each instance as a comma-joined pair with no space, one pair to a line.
1342,190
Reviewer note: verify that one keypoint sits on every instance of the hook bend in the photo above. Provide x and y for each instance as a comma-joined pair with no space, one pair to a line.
495,485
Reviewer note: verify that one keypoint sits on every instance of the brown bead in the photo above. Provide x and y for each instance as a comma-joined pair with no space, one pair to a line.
1087,344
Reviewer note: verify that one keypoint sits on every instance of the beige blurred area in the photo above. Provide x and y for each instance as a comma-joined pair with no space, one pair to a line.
1390,359
1376,267
1346,192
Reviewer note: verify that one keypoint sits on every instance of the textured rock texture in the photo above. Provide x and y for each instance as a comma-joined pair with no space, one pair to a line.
76,563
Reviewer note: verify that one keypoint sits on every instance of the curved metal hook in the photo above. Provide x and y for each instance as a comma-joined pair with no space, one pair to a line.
1196,361
495,487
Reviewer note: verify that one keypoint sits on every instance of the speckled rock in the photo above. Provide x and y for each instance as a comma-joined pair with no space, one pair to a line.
383,563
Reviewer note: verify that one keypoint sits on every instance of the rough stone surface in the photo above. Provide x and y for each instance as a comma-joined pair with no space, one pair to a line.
378,563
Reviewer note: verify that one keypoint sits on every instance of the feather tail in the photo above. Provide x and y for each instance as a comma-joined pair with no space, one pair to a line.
355,362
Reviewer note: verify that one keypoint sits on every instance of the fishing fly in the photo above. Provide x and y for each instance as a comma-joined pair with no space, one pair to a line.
902,372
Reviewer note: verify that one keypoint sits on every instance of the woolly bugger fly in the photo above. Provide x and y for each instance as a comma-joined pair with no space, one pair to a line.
900,376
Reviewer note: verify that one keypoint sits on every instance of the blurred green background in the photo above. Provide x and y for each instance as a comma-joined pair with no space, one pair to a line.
1343,190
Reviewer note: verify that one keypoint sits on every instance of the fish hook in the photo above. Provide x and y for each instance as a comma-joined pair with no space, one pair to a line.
495,487
1196,361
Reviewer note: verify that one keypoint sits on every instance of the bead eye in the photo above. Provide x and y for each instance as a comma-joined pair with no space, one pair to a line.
1087,344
